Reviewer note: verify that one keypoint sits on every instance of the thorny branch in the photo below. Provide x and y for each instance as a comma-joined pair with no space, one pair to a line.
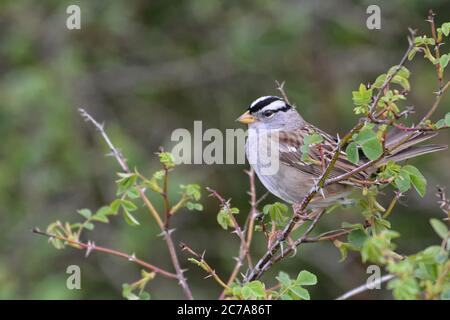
201,262
90,246
244,248
165,231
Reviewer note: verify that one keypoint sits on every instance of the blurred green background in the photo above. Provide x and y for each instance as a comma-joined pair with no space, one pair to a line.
149,67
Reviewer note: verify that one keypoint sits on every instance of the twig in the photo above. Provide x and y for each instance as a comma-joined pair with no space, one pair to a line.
280,87
90,246
250,225
167,233
439,70
365,287
201,262
291,248
237,229
443,201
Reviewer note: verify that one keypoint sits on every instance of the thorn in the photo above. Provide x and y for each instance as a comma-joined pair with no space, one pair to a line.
322,193
208,276
161,234
132,257
282,250
203,255
89,248
294,251
236,259
183,270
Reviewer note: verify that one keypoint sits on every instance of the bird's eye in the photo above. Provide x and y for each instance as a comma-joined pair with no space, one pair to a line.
268,113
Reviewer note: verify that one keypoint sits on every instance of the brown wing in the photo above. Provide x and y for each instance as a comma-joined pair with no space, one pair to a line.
319,154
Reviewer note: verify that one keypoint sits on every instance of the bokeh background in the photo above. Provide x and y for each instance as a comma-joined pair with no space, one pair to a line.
149,67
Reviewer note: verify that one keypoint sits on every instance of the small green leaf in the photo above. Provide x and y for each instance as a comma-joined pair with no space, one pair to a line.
85,213
89,226
440,228
445,28
417,179
447,119
129,218
133,193
369,143
306,278
277,211
167,159
312,139
284,279
352,152
144,295
379,81
253,290
300,292
444,60
128,205
403,181
115,205
356,238
224,220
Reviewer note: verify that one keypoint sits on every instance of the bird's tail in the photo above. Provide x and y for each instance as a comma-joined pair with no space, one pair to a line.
403,145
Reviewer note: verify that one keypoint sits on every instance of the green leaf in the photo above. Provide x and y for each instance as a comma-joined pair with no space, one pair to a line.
100,218
144,295
424,40
125,182
192,191
253,290
402,71
300,292
417,179
306,278
445,28
444,60
356,238
85,213
166,158
447,119
128,205
440,228
89,226
352,152
312,139
369,143
277,211
284,279
115,206
379,81
403,181
402,81
194,206
129,218
133,193
224,220
362,97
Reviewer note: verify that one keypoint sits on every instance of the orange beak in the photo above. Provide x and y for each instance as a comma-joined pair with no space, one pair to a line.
246,118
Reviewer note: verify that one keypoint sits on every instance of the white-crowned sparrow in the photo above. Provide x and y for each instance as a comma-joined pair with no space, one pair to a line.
270,119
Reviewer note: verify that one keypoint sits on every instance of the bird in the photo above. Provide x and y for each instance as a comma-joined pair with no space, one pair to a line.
276,130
